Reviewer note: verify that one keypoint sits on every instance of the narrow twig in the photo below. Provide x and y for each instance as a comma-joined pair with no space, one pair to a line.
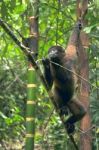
72,72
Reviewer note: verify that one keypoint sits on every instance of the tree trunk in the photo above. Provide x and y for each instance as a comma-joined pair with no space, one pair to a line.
85,138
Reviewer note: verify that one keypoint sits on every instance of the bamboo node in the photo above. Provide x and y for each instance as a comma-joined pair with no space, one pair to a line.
31,68
31,85
29,119
30,102
28,135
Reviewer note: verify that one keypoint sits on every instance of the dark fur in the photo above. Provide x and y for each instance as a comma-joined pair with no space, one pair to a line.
63,82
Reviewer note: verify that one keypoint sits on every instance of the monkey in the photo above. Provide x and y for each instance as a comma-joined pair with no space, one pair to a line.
58,73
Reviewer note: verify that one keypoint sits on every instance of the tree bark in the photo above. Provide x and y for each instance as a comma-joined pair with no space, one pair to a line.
85,136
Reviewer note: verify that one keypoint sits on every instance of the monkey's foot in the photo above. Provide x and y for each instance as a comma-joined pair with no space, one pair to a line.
70,128
45,61
63,111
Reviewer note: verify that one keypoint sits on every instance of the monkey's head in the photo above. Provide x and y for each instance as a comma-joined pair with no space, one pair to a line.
56,53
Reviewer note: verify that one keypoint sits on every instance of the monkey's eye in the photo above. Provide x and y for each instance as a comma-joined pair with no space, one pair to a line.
53,52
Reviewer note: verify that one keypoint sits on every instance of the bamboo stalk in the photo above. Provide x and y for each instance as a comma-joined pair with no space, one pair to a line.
31,87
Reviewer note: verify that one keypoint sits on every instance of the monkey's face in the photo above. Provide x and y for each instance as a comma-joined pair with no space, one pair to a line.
56,53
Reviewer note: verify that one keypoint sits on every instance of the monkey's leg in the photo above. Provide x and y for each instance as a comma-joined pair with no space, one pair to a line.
78,111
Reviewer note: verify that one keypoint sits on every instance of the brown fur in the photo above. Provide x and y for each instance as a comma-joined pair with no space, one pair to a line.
64,84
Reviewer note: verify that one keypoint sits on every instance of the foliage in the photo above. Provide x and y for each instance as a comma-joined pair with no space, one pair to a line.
55,25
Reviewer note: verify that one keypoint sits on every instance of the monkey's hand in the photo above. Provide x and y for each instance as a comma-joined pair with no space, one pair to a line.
46,62
47,72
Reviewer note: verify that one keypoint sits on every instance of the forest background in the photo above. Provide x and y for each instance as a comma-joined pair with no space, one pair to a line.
55,26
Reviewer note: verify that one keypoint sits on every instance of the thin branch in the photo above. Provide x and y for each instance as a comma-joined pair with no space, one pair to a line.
72,72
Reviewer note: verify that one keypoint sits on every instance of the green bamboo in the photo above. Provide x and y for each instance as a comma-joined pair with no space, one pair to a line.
32,81
30,112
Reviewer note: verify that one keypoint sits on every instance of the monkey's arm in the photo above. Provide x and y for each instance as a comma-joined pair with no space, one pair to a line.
47,72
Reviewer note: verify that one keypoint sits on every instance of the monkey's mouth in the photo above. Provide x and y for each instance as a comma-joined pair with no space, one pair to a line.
54,58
